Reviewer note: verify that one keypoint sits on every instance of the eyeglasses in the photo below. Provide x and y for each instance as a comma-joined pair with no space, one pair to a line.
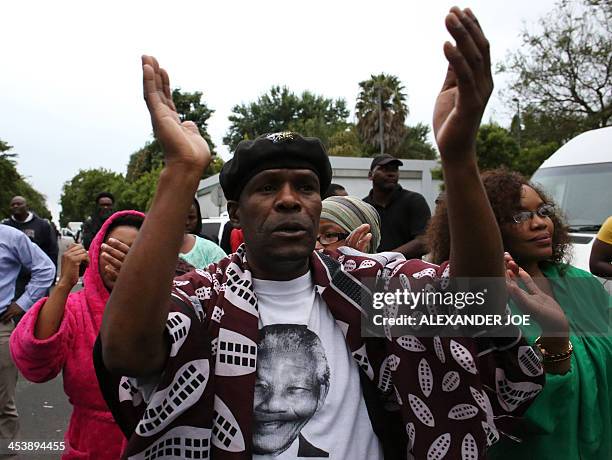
331,238
546,210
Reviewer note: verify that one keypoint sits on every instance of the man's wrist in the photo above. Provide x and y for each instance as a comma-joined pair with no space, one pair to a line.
179,176
184,170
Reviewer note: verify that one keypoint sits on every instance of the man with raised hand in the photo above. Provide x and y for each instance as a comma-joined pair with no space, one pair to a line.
177,358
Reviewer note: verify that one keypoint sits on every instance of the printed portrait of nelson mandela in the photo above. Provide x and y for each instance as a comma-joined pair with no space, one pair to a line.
292,382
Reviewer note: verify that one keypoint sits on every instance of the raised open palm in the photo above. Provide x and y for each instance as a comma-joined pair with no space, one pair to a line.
181,141
466,89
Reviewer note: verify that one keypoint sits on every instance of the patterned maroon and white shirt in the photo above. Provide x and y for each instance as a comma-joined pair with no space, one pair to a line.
456,395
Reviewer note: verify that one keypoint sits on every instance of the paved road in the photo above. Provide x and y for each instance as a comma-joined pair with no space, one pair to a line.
43,408
44,412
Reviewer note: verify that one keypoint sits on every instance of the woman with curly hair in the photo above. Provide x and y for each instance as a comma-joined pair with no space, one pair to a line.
572,417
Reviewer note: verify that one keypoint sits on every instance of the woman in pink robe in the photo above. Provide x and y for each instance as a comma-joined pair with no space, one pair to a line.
58,334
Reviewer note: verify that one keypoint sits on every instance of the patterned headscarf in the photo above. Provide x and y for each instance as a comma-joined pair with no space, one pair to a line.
349,213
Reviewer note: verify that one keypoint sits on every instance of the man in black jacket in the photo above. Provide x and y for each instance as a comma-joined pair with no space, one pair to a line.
104,208
39,231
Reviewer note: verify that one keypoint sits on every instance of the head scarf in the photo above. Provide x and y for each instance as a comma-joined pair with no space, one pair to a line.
349,213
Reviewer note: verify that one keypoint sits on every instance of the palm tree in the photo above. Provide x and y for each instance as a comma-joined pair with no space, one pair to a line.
381,112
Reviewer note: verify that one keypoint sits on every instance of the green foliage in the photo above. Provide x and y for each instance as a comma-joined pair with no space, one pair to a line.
416,145
12,183
139,193
532,155
565,68
282,110
190,107
346,143
146,159
146,163
214,167
382,93
495,147
540,127
78,194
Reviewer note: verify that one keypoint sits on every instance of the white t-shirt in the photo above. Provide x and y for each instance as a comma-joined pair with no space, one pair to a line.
308,398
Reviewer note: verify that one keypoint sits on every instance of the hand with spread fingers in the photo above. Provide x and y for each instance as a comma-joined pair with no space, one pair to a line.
181,141
466,89
532,300
113,255
359,238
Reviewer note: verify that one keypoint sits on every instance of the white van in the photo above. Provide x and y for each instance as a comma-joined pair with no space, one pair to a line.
213,226
578,177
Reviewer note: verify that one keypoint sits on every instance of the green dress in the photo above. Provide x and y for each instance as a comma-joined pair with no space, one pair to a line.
572,417
203,253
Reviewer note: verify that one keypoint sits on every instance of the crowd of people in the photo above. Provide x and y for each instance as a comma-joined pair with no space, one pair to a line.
177,348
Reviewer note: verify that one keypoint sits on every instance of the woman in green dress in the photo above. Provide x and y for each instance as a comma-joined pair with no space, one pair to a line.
569,311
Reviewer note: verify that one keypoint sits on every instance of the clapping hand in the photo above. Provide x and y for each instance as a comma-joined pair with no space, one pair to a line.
359,238
533,301
466,89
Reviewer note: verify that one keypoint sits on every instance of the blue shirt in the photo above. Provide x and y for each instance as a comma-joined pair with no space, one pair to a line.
17,251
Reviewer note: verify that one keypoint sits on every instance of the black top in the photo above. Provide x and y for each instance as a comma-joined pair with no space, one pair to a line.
40,232
403,219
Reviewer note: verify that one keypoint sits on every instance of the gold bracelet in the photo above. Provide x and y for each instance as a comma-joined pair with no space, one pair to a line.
554,358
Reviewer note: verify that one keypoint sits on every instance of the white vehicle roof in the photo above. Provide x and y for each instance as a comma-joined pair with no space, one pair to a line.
591,147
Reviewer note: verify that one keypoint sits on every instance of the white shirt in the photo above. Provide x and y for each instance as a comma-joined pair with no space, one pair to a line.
308,398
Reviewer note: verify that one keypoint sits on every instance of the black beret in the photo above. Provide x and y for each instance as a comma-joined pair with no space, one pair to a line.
284,150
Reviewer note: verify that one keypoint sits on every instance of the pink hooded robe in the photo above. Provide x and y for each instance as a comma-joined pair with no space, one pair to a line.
92,433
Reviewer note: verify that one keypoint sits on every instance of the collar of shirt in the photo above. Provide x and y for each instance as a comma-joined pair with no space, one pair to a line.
394,195
27,219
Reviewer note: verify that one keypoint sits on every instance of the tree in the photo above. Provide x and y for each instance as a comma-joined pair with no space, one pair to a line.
144,160
282,110
139,193
532,155
215,166
78,194
495,147
381,101
346,143
565,69
415,144
189,107
12,183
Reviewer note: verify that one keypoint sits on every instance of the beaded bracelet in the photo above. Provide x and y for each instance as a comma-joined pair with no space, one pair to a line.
554,358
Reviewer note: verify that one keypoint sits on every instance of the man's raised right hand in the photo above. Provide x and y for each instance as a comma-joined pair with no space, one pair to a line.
181,142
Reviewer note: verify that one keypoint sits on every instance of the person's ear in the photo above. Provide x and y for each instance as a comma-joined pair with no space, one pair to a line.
370,174
234,213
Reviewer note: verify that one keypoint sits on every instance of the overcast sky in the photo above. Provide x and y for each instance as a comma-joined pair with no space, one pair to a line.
71,85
